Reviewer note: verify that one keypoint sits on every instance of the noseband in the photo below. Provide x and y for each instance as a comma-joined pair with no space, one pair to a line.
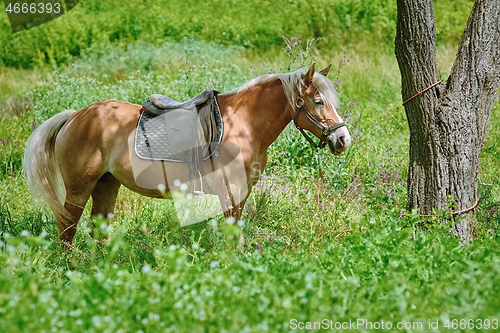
326,131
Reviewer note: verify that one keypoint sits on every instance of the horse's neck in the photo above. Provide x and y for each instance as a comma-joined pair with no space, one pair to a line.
259,113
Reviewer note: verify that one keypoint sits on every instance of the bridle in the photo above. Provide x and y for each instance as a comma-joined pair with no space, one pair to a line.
326,131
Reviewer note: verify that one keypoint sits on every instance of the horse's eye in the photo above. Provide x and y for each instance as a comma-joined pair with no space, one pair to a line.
319,102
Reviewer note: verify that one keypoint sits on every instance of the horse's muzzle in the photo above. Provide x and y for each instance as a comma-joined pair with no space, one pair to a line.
339,140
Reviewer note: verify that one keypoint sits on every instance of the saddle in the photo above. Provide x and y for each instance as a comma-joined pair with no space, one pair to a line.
160,104
184,132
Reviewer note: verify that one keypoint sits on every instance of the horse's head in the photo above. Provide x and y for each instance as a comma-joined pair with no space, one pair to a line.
315,111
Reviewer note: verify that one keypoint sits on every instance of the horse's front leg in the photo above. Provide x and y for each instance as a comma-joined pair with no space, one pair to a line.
233,205
238,213
235,195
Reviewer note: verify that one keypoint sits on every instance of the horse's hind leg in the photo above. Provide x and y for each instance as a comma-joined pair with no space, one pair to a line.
67,224
104,196
78,193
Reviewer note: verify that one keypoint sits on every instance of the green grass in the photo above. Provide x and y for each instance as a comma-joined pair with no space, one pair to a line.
377,274
304,258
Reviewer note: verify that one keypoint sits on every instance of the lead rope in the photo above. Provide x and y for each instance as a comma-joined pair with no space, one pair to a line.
320,188
429,87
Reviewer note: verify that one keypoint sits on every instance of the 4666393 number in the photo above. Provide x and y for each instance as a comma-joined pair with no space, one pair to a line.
472,324
40,8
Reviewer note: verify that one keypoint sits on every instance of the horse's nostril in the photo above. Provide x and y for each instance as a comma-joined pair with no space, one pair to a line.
342,140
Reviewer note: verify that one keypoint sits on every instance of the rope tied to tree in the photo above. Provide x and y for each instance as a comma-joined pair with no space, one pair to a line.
422,215
450,213
429,87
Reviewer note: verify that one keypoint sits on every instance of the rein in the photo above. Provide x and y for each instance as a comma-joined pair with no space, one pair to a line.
326,131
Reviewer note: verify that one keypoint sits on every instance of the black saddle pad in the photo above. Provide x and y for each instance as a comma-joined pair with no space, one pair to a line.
174,134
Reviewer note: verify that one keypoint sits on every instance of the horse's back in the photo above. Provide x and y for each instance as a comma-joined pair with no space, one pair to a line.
97,120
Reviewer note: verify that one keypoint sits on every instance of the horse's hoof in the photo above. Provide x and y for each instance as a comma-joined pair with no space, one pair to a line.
241,244
67,246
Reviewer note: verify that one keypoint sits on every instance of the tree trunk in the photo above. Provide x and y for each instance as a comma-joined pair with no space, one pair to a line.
448,123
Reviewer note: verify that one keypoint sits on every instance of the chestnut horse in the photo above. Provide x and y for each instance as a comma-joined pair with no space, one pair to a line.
90,148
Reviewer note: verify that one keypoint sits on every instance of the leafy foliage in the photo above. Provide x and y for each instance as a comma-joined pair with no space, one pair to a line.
251,24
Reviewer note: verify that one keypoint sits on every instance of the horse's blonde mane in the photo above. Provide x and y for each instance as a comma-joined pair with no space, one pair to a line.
292,86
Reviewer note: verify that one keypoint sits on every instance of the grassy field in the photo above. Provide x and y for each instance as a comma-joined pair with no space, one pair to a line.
344,256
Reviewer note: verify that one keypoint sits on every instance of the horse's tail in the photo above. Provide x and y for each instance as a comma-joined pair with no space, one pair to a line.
40,165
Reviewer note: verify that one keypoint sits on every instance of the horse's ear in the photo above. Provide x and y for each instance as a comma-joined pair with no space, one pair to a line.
325,70
310,73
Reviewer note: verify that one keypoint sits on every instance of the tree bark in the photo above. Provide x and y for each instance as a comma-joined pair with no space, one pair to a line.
448,123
